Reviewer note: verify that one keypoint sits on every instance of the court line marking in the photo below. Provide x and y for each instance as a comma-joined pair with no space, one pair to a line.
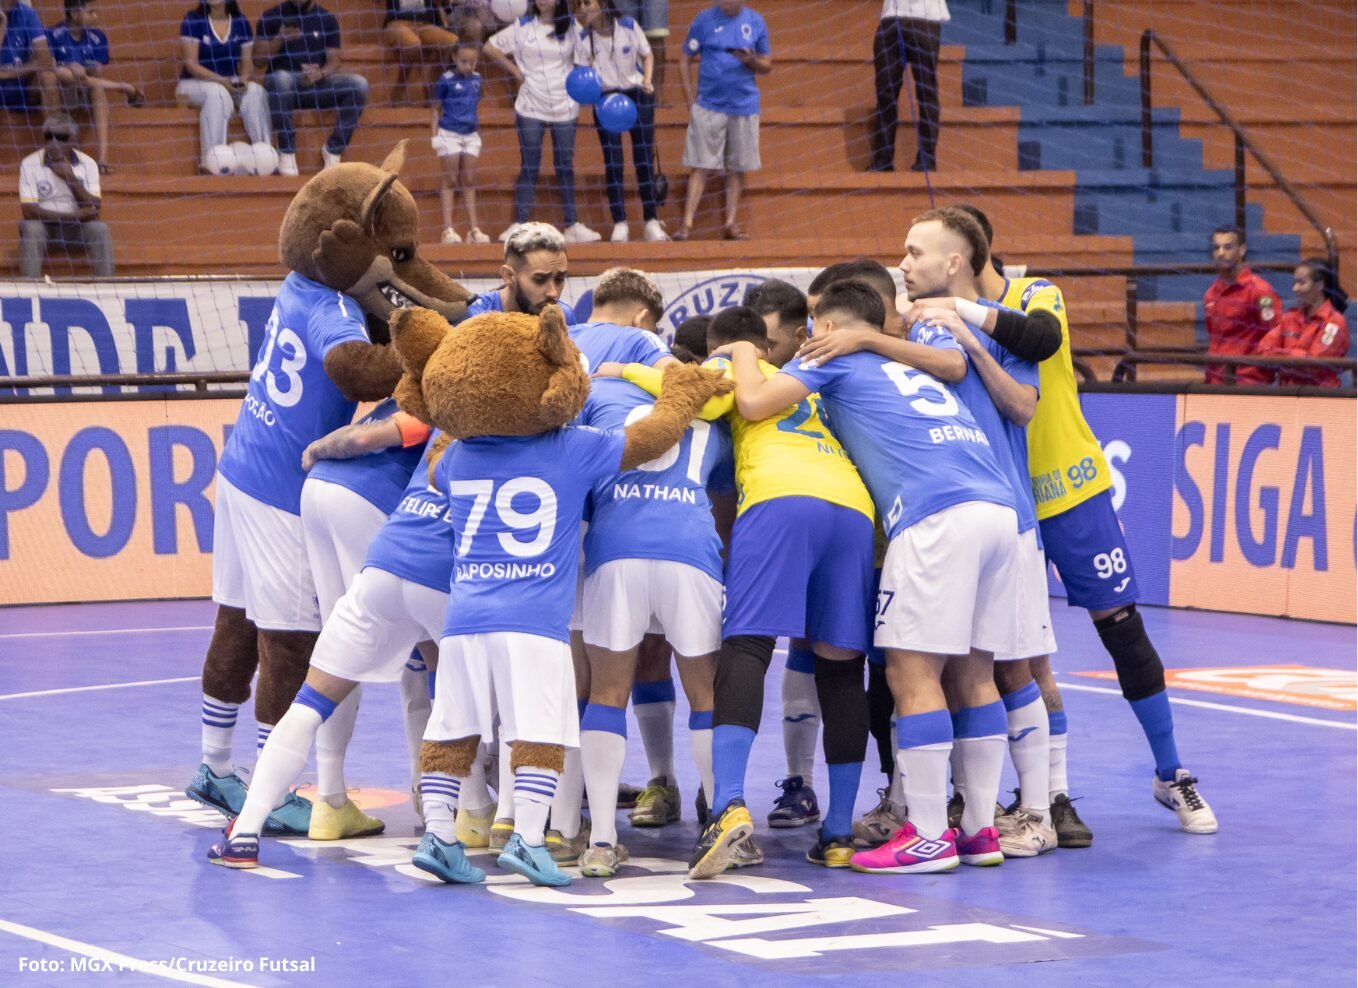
1208,705
104,631
106,686
123,961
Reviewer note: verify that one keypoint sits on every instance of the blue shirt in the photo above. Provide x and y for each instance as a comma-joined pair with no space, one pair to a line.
320,31
219,55
492,302
517,504
606,342
724,84
291,402
91,48
915,444
23,30
379,477
459,95
416,542
661,509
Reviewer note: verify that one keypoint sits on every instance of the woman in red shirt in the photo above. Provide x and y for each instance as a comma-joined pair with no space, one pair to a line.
1315,329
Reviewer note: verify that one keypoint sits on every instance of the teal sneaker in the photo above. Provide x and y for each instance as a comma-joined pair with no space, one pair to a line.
224,793
291,819
447,862
533,863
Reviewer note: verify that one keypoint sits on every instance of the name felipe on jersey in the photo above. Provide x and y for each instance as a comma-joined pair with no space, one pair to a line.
656,492
416,505
465,572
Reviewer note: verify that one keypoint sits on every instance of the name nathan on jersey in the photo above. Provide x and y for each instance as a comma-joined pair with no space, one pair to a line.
655,492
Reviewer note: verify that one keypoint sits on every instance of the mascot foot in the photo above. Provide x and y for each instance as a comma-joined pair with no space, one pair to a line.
533,863
446,862
290,819
473,829
328,823
224,793
235,850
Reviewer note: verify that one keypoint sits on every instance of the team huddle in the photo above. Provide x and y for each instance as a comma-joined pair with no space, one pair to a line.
883,490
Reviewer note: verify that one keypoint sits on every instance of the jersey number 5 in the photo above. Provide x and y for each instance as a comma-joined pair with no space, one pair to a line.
542,518
911,382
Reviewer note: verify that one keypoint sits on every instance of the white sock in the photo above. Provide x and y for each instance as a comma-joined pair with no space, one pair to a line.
1058,784
925,772
279,765
533,791
801,722
1030,753
655,724
984,761
601,757
474,795
504,806
219,726
957,771
897,791
439,796
570,796
332,741
416,707
700,739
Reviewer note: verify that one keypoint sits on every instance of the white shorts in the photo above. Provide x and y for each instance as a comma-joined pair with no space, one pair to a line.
526,681
337,526
369,634
948,582
259,563
623,596
577,621
447,143
1034,635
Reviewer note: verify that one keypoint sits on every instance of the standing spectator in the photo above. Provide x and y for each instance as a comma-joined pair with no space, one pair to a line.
907,34
654,18
458,145
616,48
1316,328
1240,307
539,52
417,30
731,45
59,196
25,60
80,51
299,48
214,48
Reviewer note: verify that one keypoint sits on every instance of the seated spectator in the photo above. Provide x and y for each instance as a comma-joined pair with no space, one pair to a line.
27,81
59,196
1316,328
457,95
215,44
299,47
1239,308
418,32
80,51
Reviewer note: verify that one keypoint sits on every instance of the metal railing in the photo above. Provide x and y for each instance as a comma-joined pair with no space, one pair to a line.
1011,37
1126,367
203,384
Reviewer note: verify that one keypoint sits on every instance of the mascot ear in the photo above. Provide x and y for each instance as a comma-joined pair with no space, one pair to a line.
553,340
417,333
562,398
371,205
395,161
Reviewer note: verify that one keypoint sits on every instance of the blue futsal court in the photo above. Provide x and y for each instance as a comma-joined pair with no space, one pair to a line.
103,866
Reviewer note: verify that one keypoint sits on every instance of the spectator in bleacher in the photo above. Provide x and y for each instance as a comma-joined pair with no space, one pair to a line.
81,53
472,20
538,51
907,34
457,95
215,45
1316,328
616,48
731,45
27,79
299,48
654,18
59,198
1240,307
418,31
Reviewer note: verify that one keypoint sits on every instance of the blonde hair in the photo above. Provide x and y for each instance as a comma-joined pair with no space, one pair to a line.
962,223
629,285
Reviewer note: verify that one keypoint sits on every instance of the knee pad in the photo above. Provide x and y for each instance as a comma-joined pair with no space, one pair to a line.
739,687
882,717
449,757
531,754
844,709
284,659
232,656
1140,672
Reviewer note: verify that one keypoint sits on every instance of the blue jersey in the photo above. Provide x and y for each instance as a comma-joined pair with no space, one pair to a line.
917,447
291,402
606,342
517,502
459,96
23,30
661,509
379,477
416,542
492,302
725,85
216,54
91,48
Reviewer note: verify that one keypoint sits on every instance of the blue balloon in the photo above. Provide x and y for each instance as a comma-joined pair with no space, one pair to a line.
583,85
616,113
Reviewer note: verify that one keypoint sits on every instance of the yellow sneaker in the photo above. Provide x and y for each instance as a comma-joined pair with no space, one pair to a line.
473,829
499,833
714,852
328,823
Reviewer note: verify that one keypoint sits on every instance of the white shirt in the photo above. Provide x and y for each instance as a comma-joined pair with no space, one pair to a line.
545,60
40,186
616,57
924,10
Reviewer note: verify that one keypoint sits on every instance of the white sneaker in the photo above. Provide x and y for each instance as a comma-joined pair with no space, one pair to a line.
475,236
1182,796
620,234
1027,835
878,824
509,232
602,860
287,164
330,159
450,236
654,232
578,233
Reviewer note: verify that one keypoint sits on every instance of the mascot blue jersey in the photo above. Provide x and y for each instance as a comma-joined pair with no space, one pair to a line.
416,542
379,477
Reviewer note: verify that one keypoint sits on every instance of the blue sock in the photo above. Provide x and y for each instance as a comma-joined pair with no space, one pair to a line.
307,696
844,778
801,660
1158,723
731,746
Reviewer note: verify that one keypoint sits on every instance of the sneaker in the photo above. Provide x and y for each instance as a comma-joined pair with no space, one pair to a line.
1028,836
746,853
700,807
712,855
620,234
533,863
981,849
878,824
447,862
224,793
509,231
291,818
796,807
654,232
628,795
287,164
329,159
567,850
499,832
328,823
907,853
473,828
657,805
475,236
1182,796
602,860
1071,831
956,805
578,233
1006,817
235,850
831,852
450,236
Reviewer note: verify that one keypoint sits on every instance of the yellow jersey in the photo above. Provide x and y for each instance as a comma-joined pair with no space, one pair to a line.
1065,461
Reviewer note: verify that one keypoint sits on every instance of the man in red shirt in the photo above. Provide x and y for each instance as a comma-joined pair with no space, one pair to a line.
1315,329
1240,308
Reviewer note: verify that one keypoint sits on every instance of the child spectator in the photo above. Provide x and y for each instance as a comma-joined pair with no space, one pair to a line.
417,30
1316,328
214,46
59,199
80,51
458,145
27,81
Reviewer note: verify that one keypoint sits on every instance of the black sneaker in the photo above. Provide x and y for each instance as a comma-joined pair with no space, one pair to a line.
831,852
1070,829
700,807
712,855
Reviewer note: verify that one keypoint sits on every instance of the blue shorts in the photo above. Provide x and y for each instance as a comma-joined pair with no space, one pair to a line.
19,95
801,567
1089,551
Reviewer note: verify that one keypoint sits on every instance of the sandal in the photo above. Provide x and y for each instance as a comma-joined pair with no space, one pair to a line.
136,98
733,232
683,233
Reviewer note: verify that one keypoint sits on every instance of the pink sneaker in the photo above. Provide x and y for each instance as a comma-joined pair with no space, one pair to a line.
908,853
981,849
